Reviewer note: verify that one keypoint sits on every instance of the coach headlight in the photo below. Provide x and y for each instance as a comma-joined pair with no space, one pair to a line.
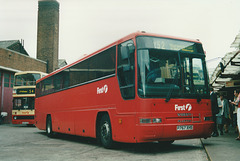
15,117
149,120
157,120
145,121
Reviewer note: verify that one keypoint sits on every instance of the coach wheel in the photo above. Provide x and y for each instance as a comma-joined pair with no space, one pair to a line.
106,132
49,127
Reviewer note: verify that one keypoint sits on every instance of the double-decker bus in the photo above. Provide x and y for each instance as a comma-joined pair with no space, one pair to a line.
141,88
24,96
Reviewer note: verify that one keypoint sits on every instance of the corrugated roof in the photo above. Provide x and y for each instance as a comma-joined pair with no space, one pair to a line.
231,71
228,70
13,45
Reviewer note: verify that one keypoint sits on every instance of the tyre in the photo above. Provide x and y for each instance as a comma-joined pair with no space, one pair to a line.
49,127
106,132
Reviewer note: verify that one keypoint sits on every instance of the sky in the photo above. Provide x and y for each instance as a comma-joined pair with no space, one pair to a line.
88,25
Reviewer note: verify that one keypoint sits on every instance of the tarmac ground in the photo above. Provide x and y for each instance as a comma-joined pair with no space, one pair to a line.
23,143
223,148
26,143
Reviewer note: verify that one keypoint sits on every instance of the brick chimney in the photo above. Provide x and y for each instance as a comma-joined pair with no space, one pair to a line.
48,33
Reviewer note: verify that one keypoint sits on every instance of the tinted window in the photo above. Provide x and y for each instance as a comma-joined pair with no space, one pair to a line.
58,81
126,70
79,73
102,64
96,67
47,86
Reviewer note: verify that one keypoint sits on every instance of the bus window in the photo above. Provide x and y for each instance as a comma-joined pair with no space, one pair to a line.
170,68
47,86
79,73
158,72
126,69
17,103
28,79
58,82
23,103
102,64
198,76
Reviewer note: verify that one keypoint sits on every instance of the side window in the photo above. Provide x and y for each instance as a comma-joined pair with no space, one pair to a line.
79,73
47,87
12,80
65,75
126,69
6,80
102,64
96,67
58,81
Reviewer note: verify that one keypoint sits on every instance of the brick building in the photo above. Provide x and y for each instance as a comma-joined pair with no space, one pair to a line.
14,58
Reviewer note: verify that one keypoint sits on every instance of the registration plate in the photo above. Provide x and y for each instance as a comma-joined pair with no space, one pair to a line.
25,123
184,127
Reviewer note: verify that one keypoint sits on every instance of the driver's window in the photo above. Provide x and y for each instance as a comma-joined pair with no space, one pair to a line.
126,70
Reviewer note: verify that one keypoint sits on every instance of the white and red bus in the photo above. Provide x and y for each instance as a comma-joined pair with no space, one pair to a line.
141,88
24,95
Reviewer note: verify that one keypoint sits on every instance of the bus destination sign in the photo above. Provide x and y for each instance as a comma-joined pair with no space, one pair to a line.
26,91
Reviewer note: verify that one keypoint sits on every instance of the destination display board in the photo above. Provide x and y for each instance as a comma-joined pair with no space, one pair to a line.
26,91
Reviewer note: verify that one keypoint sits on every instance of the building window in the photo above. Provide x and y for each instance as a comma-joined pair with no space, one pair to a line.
12,80
6,80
